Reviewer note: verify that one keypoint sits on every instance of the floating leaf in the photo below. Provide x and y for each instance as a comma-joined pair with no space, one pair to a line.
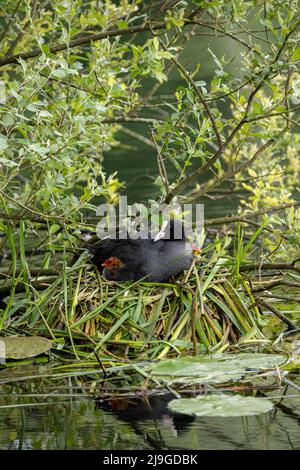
221,405
20,347
213,369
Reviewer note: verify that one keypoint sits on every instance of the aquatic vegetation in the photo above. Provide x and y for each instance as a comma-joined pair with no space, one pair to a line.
221,405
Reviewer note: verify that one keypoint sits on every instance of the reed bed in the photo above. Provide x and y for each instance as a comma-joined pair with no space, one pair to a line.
202,311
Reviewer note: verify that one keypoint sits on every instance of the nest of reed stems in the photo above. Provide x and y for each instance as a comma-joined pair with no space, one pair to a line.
202,311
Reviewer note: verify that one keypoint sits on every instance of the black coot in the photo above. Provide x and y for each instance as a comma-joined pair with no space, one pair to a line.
154,261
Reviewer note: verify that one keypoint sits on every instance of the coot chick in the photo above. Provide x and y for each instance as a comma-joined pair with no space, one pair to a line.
153,260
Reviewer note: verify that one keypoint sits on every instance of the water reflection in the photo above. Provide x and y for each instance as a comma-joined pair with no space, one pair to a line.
139,424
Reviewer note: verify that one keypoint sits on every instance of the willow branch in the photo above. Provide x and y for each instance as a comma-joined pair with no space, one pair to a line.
115,120
13,59
240,218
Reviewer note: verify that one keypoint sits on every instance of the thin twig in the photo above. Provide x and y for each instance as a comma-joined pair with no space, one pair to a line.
160,164
276,312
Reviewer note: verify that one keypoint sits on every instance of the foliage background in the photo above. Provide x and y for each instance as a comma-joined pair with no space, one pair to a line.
73,72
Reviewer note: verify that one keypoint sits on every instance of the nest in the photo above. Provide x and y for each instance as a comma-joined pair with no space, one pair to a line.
149,320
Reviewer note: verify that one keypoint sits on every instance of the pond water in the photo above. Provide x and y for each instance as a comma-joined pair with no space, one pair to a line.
81,423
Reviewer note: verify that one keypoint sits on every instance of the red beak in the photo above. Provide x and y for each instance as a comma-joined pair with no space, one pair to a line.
196,249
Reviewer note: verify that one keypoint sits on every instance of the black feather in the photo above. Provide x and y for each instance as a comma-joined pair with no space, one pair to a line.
144,258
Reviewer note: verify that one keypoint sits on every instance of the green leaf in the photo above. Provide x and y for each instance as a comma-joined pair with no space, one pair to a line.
7,120
54,228
221,405
39,149
122,24
156,43
296,54
3,142
213,369
20,347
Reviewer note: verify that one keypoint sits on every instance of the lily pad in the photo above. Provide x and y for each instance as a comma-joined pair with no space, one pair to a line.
21,347
213,369
221,405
